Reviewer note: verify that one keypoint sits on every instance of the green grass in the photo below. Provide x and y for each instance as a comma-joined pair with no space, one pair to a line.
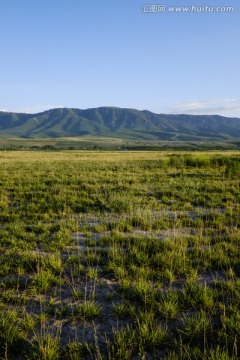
119,255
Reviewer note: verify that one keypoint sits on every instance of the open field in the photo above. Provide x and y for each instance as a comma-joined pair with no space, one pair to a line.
113,144
119,255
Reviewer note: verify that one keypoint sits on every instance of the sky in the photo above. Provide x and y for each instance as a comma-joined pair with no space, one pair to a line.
177,57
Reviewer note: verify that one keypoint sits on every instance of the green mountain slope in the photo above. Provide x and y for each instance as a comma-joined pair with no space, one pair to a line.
118,122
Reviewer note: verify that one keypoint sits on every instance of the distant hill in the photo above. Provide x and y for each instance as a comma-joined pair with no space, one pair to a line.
118,123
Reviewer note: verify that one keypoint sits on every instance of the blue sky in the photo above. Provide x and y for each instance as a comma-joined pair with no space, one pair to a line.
90,53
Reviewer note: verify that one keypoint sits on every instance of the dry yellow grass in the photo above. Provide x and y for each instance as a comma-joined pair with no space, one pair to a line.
109,156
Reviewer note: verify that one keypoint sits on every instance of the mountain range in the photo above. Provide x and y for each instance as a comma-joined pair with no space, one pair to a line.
118,123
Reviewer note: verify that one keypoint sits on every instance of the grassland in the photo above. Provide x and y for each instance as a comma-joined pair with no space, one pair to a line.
113,144
119,255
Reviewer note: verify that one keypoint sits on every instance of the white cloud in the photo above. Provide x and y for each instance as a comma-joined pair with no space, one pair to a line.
228,107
